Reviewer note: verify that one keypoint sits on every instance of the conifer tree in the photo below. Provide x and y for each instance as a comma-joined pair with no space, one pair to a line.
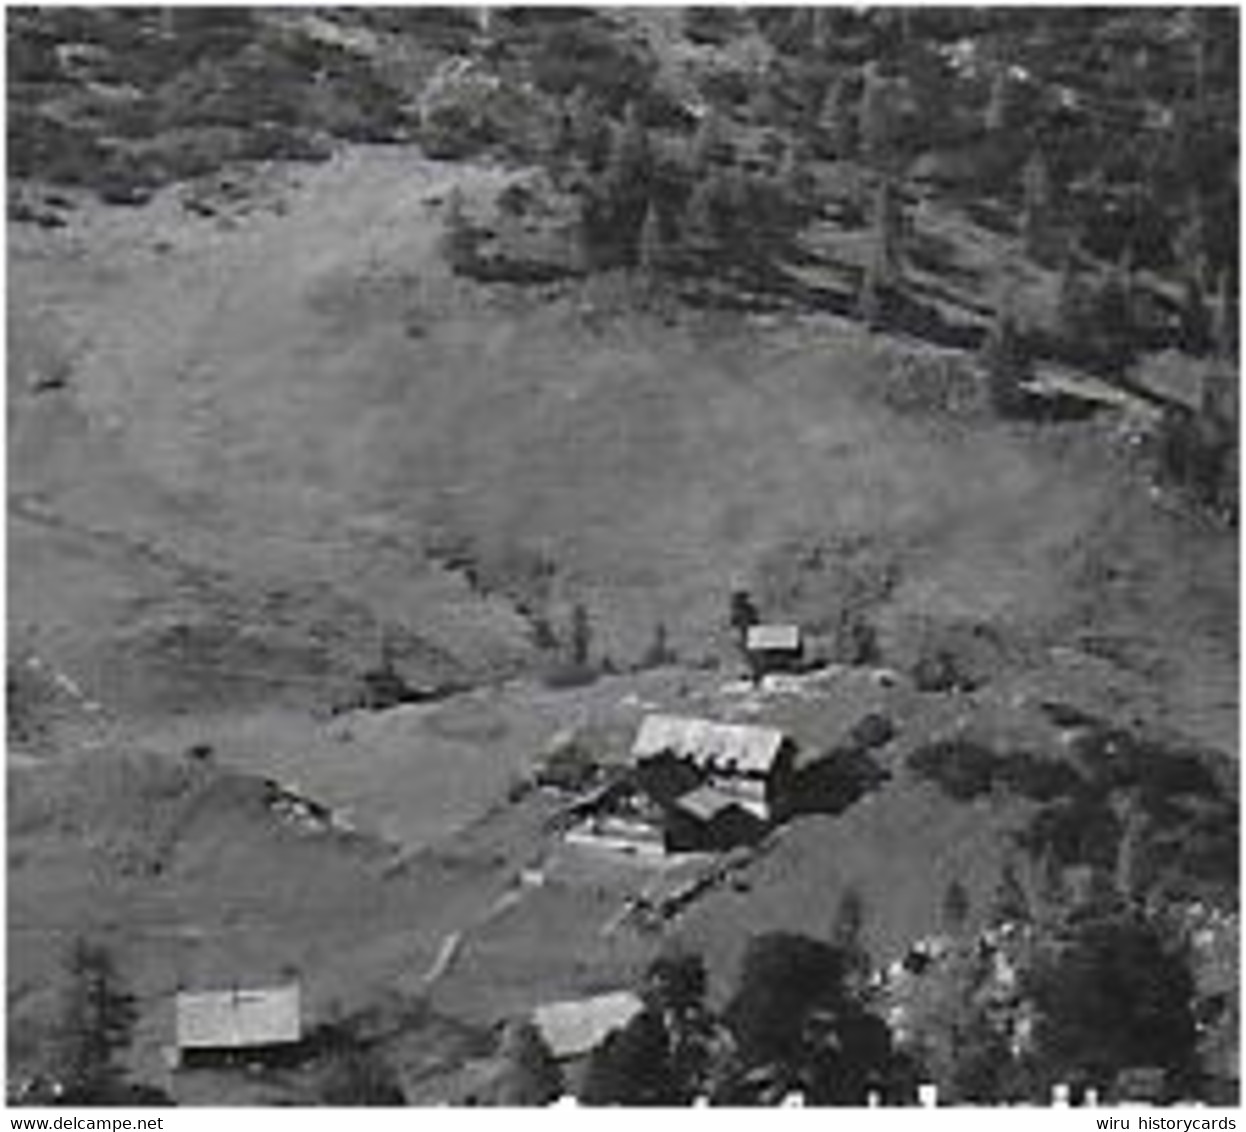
710,145
458,241
882,276
838,122
1195,324
651,250
955,906
590,136
848,931
1074,313
888,230
876,116
658,653
1224,322
1005,357
1036,207
95,1025
626,182
700,230
872,296
581,636
1114,318
999,103
1011,903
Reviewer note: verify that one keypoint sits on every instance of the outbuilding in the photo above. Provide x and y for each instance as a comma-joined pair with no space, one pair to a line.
709,819
575,1027
774,648
260,1024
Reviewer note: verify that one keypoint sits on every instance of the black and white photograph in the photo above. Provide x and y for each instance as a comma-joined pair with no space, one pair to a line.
623,556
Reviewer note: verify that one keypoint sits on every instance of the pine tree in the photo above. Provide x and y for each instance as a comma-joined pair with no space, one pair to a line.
848,931
1005,357
793,180
651,247
658,654
1036,207
631,157
1115,335
1011,904
458,240
1074,310
872,295
999,104
710,144
743,614
700,230
888,230
876,118
1189,244
821,31
955,906
627,182
882,276
590,136
736,212
838,122
1224,322
95,1025
581,636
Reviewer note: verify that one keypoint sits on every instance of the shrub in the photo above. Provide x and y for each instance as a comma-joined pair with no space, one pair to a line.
832,783
929,382
355,1076
961,768
1041,779
566,674
1082,830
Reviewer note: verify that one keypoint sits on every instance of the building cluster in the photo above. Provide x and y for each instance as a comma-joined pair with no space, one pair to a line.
693,785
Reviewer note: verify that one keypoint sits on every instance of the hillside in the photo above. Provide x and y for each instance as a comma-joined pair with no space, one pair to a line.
363,382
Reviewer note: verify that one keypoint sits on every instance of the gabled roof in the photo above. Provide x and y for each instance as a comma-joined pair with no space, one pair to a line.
706,802
739,747
780,638
577,1026
236,1019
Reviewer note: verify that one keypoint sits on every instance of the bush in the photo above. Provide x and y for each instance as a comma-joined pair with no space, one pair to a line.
1075,831
832,783
354,1076
928,382
566,674
961,768
944,655
1041,779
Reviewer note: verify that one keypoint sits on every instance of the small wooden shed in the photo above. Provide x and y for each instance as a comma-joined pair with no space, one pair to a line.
264,1023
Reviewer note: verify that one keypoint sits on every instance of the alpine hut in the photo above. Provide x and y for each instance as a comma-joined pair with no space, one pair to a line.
263,1024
